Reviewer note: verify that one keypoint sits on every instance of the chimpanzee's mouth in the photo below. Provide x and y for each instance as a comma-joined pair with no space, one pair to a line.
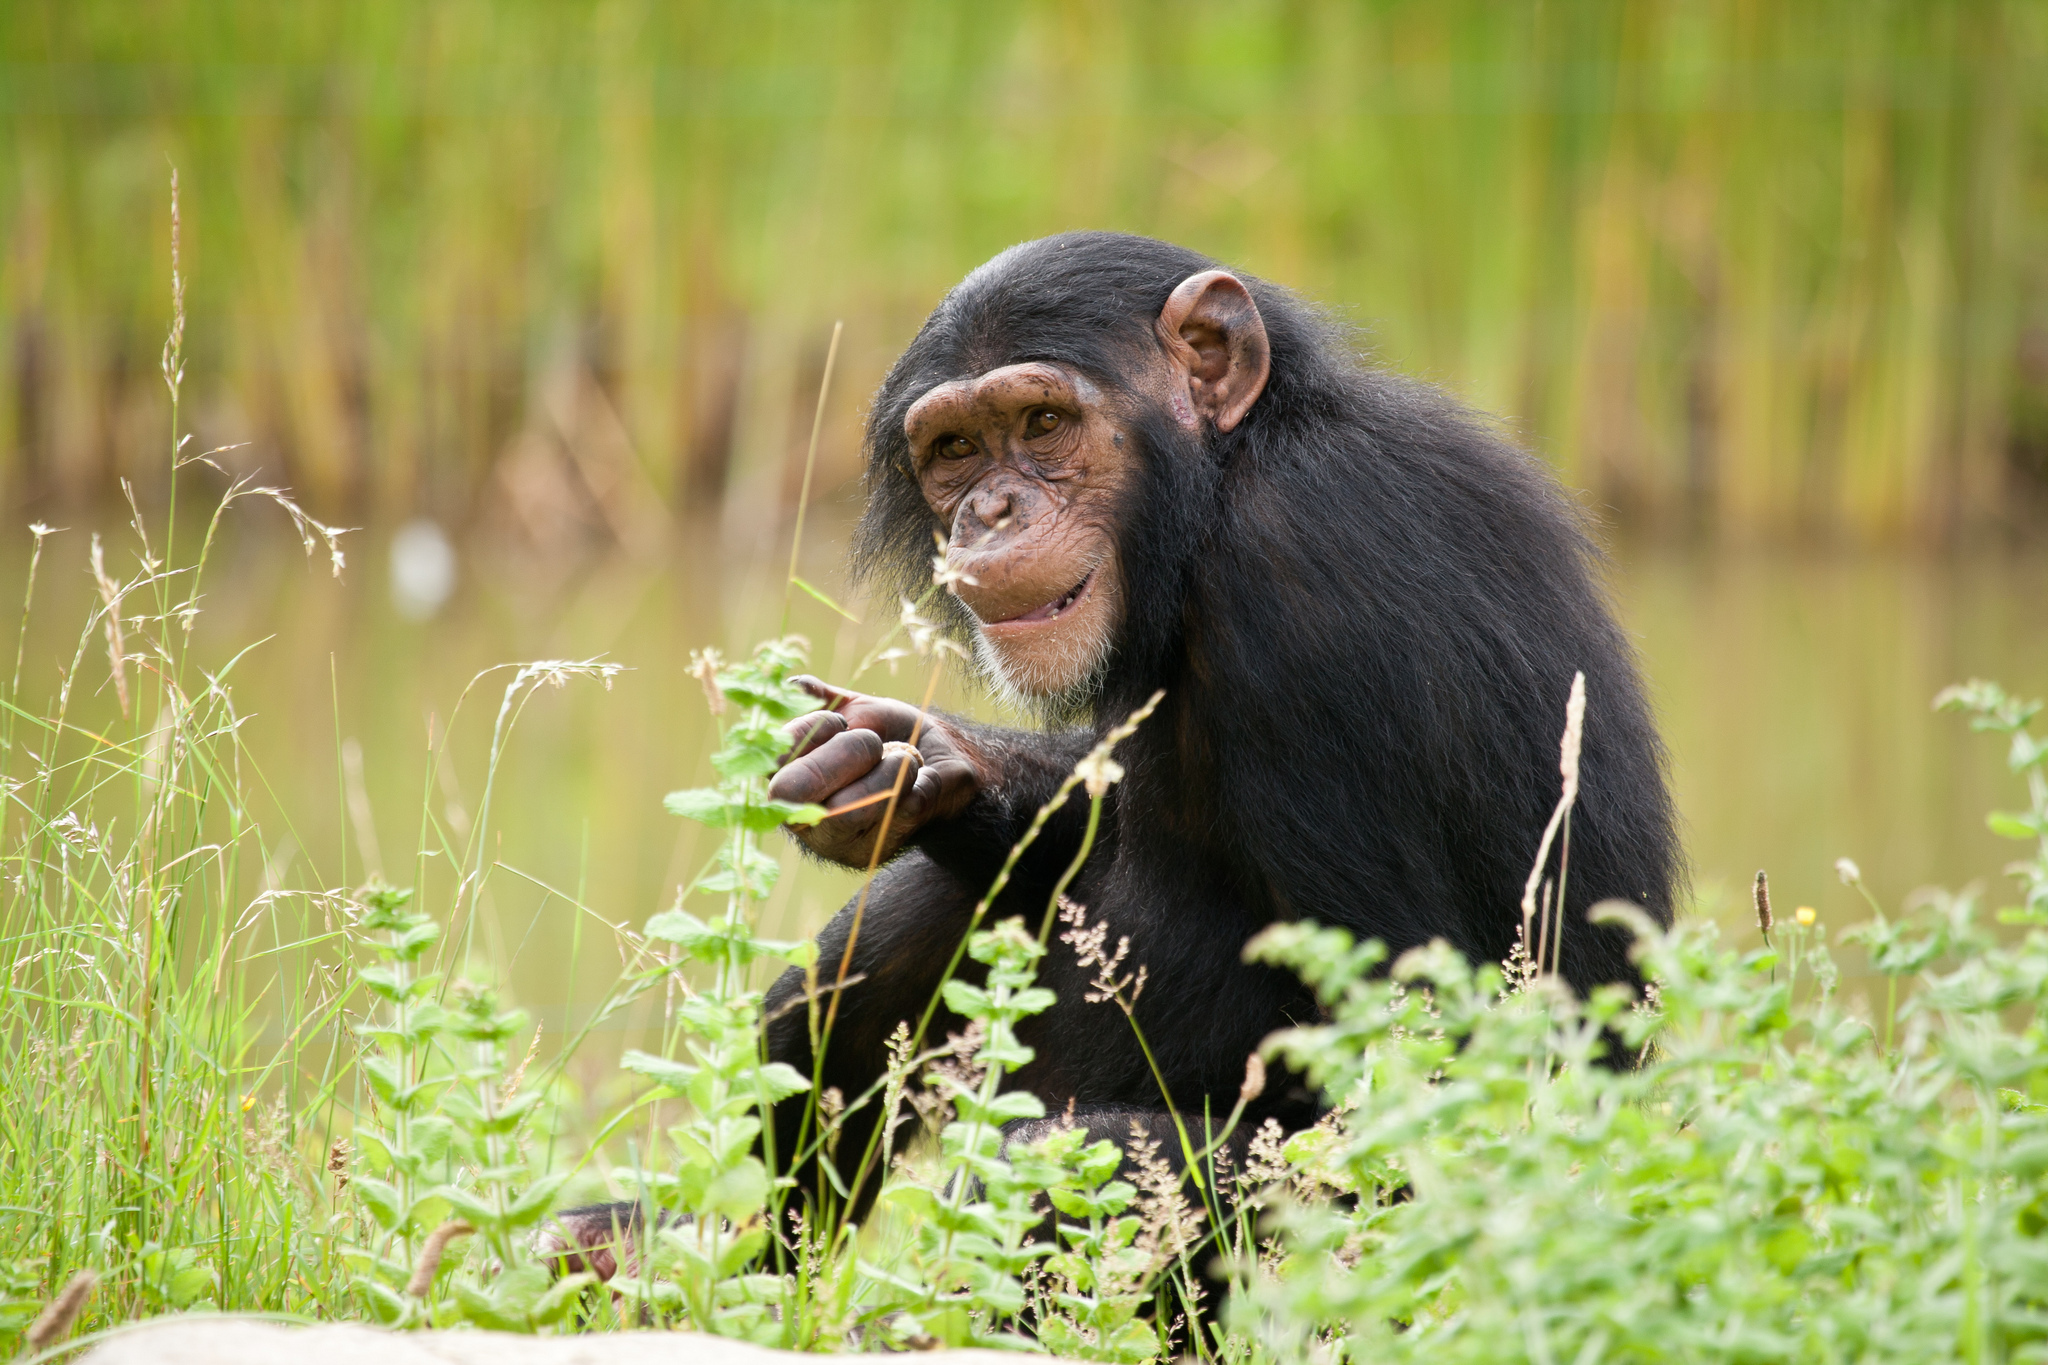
1051,610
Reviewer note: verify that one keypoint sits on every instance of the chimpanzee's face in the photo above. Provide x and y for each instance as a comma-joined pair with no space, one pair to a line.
1029,465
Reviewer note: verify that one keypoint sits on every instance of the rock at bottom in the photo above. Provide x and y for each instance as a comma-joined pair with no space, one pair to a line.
220,1340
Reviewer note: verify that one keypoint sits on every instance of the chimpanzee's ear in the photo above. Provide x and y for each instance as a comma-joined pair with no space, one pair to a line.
1215,337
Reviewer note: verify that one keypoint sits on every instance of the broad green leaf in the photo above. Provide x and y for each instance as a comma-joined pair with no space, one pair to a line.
1034,1000
750,751
675,1075
918,1201
538,1198
1133,1343
417,939
777,700
385,1304
431,1138
1003,1049
798,952
965,998
1005,1107
709,806
1074,1204
387,983
780,1080
757,879
485,1311
2007,825
381,1199
738,1193
677,926
550,1307
472,1206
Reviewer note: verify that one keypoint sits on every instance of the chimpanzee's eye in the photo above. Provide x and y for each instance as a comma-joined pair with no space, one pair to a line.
953,447
1042,422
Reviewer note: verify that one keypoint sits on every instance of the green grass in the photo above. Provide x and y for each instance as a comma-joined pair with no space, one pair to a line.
223,1093
1772,268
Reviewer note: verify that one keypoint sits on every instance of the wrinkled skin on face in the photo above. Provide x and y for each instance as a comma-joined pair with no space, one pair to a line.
1029,465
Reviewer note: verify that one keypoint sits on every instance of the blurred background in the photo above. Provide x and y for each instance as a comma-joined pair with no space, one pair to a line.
538,297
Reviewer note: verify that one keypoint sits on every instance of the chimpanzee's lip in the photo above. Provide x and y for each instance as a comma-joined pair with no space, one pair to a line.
1053,610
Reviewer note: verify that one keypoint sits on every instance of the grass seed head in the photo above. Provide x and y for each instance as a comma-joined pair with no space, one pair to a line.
55,1321
430,1256
1254,1084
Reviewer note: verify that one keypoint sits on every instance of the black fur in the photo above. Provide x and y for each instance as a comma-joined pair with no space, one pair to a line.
1365,607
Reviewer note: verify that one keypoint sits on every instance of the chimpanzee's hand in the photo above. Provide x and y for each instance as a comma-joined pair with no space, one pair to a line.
847,758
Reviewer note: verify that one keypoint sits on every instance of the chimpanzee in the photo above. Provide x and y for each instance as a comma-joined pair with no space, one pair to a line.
1365,608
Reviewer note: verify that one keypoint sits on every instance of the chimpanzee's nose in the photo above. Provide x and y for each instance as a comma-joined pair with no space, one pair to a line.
984,510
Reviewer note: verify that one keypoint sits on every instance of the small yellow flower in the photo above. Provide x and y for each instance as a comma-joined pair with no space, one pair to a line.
248,1103
1806,915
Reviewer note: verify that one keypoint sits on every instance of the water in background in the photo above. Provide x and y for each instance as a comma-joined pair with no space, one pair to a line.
1793,689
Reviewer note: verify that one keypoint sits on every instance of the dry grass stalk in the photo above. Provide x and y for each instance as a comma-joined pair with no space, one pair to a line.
173,361
1088,943
704,666
518,1076
1254,1084
953,1070
1266,1156
430,1256
1170,1225
1762,894
337,1165
117,648
1568,769
55,1321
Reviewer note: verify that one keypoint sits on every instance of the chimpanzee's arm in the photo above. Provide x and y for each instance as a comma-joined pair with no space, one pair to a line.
903,936
1025,768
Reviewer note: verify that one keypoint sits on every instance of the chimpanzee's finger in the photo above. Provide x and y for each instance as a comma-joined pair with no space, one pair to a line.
921,797
829,768
808,733
899,782
833,697
869,794
887,717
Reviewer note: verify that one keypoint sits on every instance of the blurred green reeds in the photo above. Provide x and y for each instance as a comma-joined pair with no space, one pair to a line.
1762,269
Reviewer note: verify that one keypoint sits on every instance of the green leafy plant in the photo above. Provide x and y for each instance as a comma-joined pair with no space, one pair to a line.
438,1075
1099,1280
712,1203
21,1297
967,1258
1992,710
503,1197
1775,1182
403,1154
